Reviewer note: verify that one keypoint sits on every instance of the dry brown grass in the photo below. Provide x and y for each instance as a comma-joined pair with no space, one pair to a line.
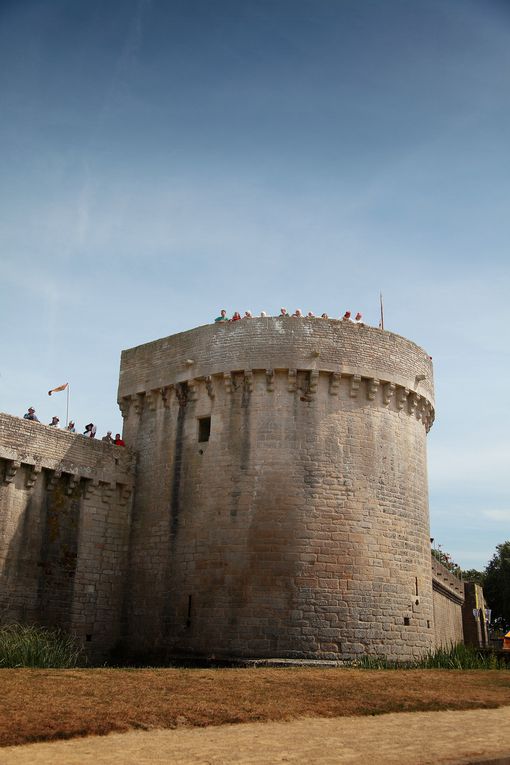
50,704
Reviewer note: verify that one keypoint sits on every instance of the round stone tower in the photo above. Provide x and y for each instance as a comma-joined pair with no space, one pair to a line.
281,502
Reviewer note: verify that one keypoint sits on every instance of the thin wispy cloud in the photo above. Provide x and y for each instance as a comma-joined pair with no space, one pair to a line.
162,160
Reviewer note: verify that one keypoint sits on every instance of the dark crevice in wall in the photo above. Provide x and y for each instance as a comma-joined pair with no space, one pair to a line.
182,395
57,564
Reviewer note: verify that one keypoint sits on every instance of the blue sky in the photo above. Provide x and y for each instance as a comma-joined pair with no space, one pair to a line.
163,159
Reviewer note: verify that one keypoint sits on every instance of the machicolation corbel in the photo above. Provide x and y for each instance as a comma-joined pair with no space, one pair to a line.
152,399
313,381
166,395
209,386
53,479
192,390
74,481
33,472
402,395
355,383
138,399
124,406
11,469
248,380
334,383
372,388
292,380
388,393
227,382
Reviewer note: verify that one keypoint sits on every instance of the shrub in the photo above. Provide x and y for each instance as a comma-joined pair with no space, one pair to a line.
37,647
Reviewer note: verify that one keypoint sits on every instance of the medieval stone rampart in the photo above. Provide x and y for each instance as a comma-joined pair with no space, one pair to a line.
448,598
298,526
64,530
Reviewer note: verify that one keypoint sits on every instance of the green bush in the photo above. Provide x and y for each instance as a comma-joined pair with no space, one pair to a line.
37,647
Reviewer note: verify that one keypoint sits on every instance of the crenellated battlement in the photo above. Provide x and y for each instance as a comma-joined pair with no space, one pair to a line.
56,454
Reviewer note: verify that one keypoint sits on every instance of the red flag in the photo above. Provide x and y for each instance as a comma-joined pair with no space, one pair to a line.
56,390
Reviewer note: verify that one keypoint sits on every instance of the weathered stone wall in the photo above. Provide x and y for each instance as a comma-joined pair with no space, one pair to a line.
448,593
300,528
64,530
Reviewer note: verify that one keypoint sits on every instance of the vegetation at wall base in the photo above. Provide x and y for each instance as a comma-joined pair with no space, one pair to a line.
457,657
37,647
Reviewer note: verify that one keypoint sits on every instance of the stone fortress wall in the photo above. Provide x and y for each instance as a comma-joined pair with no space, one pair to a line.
65,504
271,502
300,527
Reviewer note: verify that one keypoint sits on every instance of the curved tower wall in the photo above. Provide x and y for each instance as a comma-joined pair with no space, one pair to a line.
300,528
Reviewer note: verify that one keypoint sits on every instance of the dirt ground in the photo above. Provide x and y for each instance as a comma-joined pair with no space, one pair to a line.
37,705
421,738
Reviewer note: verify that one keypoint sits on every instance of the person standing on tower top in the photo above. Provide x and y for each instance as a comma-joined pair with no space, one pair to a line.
223,316
347,316
30,415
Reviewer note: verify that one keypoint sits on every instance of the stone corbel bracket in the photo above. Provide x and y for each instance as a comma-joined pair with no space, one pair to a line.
11,469
74,482
334,383
355,383
151,397
32,473
313,381
192,390
227,382
248,380
125,493
107,492
53,479
372,388
388,393
209,386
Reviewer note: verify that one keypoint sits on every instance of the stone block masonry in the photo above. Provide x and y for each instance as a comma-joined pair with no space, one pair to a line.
65,504
299,526
279,506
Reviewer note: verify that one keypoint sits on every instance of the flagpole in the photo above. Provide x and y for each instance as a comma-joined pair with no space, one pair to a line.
382,310
67,407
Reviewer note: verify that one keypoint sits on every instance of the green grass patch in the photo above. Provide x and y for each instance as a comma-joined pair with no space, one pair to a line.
456,657
37,647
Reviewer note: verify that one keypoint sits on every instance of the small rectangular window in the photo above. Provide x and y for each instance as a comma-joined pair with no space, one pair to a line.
204,429
407,621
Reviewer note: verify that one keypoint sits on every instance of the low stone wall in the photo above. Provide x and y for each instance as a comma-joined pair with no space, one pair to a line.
65,507
448,599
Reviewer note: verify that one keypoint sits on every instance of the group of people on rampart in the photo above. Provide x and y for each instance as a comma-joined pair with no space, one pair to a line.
298,314
89,432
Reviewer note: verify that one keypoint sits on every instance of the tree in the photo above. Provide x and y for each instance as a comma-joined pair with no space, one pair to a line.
473,575
497,586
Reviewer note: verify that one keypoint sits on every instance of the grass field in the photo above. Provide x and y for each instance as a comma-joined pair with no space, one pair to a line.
39,705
